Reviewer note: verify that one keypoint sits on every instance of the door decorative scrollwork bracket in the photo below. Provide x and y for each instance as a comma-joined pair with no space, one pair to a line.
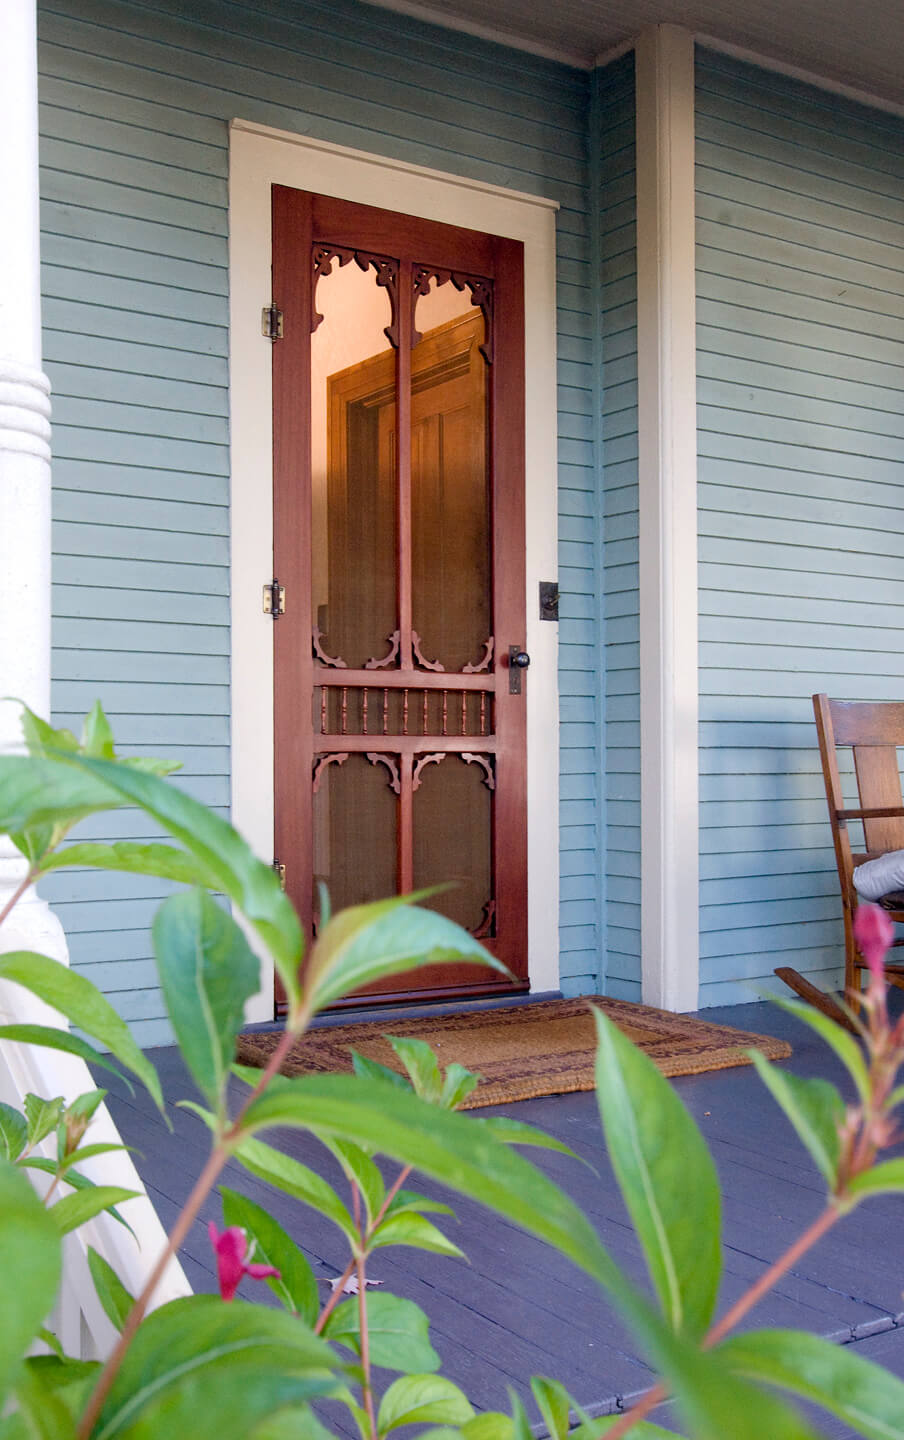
486,764
335,661
422,763
377,758
387,269
484,664
338,757
394,641
481,291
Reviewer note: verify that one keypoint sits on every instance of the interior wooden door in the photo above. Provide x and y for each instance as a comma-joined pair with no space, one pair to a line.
400,745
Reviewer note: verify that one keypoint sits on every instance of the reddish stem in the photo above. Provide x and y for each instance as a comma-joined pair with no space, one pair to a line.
732,1316
780,1267
202,1188
336,1296
17,894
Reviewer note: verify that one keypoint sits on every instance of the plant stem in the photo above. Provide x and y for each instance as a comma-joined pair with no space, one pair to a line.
336,1296
737,1311
17,894
338,1292
639,1410
202,1188
390,1196
203,1185
780,1267
367,1392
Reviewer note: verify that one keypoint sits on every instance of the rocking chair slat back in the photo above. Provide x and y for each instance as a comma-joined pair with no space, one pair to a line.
873,732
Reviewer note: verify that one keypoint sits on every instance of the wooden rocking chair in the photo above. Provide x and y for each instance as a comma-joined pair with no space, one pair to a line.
873,732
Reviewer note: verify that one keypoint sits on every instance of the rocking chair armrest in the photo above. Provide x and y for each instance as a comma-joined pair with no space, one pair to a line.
884,812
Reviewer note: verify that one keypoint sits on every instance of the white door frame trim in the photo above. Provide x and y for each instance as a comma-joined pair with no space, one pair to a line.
667,468
259,158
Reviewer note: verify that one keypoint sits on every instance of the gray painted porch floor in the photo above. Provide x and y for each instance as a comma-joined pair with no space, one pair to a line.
519,1309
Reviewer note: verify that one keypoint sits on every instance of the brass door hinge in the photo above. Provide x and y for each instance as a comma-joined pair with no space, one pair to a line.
274,598
280,869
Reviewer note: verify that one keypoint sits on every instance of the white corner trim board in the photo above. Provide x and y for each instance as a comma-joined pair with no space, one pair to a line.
259,158
667,425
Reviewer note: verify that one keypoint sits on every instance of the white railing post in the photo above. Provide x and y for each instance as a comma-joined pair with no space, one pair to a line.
24,447
667,471
25,550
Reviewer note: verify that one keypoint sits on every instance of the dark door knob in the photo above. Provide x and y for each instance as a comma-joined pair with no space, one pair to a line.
518,661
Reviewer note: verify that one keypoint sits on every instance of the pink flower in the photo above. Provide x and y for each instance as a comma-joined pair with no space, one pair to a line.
874,933
233,1255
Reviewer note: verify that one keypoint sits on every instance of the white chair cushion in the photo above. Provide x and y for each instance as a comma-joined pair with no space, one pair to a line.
880,876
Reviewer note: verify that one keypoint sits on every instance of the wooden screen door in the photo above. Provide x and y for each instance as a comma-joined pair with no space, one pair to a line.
398,394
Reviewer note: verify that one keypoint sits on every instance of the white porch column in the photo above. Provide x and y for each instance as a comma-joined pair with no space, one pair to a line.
24,446
667,420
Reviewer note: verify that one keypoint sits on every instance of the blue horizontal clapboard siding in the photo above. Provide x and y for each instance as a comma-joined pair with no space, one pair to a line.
135,101
800,301
618,318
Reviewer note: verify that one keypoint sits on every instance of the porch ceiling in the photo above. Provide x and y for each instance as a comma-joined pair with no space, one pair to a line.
859,43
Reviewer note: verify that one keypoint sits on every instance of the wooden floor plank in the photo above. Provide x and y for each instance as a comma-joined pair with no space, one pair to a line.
518,1307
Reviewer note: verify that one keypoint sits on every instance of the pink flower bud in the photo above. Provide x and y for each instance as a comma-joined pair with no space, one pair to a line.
874,933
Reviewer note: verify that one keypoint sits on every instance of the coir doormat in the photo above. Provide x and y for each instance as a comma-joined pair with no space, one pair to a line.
523,1051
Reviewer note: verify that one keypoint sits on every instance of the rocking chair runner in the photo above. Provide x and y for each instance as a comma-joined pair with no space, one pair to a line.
873,732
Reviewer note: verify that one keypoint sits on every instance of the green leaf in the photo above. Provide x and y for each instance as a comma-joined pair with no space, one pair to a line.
13,1132
446,1145
40,736
73,1210
554,1404
295,1423
367,1069
666,1176
489,1425
207,972
163,861
359,1170
30,1264
862,1394
884,1179
53,1039
252,886
517,1132
398,1331
421,1064
51,1341
212,1371
642,1430
388,937
815,1109
97,737
458,1083
82,1003
112,1294
71,1177
45,1411
295,1179
405,1200
38,793
717,1404
415,1230
841,1041
87,1152
42,1116
422,1399
296,1286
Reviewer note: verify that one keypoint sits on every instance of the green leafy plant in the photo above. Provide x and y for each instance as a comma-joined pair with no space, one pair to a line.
222,1366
